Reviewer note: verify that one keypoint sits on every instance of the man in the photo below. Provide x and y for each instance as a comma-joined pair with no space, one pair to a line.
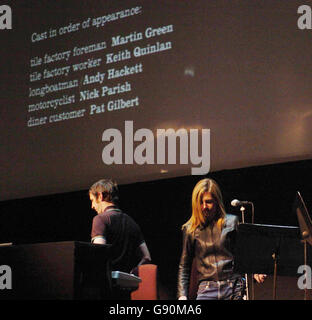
114,227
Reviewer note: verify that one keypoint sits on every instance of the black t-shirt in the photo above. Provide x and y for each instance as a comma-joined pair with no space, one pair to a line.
123,233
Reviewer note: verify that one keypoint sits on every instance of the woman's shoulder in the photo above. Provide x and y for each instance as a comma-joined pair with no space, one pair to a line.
231,219
186,227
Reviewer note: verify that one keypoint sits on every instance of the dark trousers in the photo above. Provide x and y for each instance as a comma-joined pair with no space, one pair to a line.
233,289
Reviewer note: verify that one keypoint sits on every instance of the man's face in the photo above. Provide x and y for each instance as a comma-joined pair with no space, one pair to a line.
95,203
208,206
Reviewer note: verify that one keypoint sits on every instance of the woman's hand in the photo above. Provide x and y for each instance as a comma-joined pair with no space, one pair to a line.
260,277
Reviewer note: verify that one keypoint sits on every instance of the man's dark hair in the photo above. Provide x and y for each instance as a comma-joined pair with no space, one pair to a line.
108,188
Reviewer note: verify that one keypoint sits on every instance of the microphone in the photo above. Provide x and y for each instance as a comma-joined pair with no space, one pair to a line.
236,203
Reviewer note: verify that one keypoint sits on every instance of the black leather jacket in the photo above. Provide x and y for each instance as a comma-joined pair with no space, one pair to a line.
212,250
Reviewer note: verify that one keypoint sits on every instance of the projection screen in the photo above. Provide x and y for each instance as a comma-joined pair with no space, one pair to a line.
146,90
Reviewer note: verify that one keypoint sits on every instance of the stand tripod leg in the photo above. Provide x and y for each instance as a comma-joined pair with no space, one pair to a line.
275,275
247,287
305,263
252,287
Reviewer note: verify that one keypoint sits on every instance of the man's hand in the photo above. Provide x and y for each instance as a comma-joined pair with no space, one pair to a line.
260,277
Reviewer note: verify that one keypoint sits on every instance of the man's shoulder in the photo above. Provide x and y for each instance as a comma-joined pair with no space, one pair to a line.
119,215
103,217
131,221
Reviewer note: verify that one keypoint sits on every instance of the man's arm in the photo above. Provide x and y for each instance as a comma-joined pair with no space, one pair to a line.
145,254
98,240
98,230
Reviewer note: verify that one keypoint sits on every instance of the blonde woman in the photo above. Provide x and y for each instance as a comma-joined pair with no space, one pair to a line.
209,238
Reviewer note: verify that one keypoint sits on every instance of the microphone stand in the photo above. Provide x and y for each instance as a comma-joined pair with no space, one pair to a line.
305,236
305,263
252,275
242,209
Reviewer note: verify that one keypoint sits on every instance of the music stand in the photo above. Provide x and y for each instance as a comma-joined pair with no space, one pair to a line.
267,249
305,225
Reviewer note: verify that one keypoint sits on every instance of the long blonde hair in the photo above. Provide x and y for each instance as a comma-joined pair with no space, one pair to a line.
197,218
